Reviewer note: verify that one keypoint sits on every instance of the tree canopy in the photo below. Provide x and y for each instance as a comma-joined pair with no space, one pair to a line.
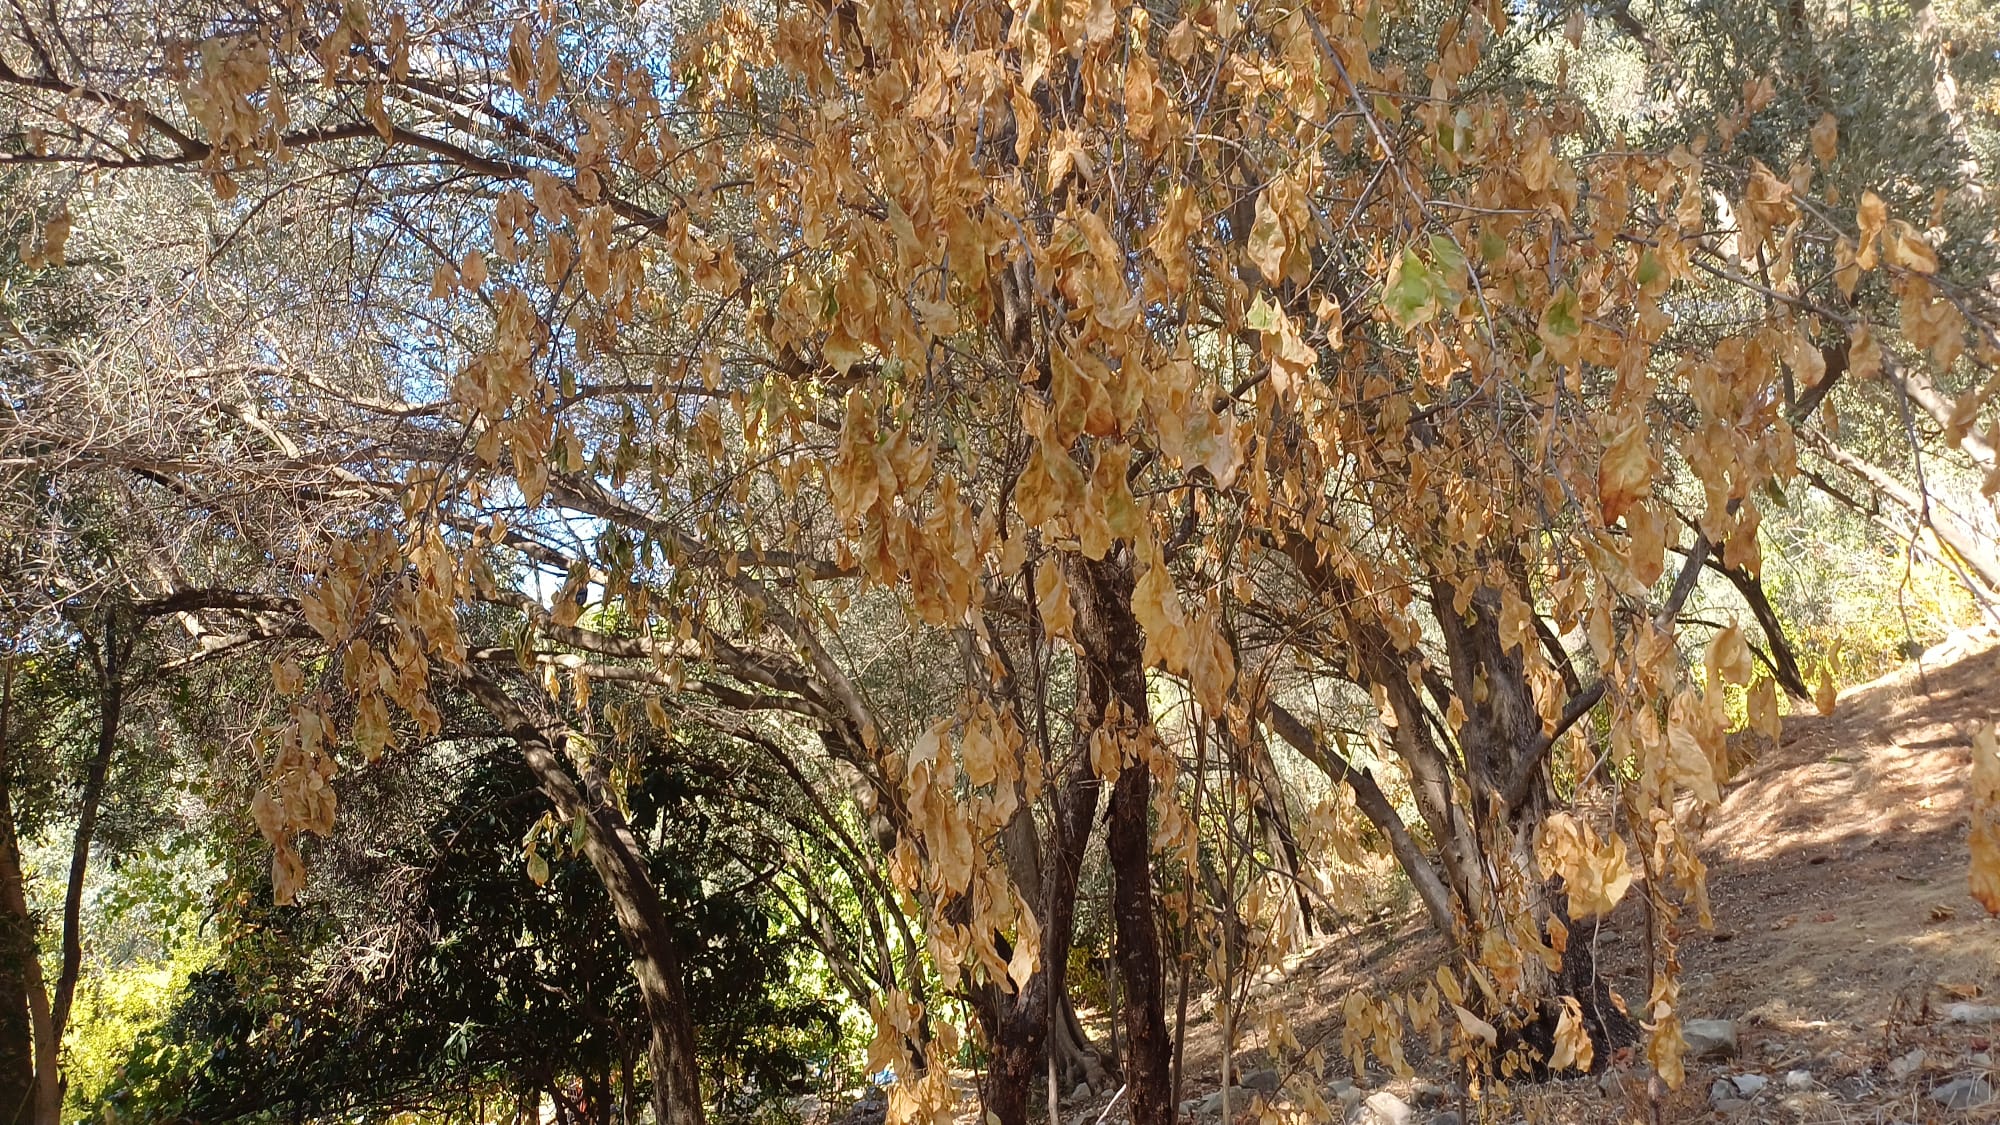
912,432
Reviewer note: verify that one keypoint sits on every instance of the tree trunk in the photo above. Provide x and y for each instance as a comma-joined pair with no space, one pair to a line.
17,1047
1007,1088
597,1098
614,854
46,1019
44,1100
656,962
20,969
1783,662
1269,805
109,656
1148,1053
628,1107
1916,386
1077,1058
1115,648
1493,737
1018,1027
1608,1027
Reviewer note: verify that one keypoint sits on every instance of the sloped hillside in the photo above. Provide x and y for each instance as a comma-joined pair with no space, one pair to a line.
1861,982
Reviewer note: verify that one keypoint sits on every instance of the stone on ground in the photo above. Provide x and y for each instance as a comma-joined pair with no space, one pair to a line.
1708,1039
1385,1108
1963,1093
1906,1065
1264,1080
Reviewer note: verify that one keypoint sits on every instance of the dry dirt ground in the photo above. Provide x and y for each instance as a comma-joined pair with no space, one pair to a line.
1844,936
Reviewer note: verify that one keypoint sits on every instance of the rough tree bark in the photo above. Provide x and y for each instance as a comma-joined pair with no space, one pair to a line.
17,1046
1034,1032
1020,1027
1495,730
1114,651
1501,765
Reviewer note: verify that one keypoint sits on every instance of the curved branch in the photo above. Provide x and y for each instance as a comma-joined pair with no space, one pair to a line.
1374,805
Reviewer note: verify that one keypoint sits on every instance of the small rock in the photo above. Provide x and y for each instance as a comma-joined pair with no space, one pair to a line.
1448,1117
1386,1108
1798,1080
1972,1013
1963,1093
1081,1092
1239,1098
1749,1085
1981,1059
1348,1093
1710,1038
1732,1106
872,1109
1265,1080
1903,1067
1721,1090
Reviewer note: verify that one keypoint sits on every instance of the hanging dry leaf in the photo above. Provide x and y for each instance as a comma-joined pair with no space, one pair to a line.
1825,694
1870,216
1650,526
1666,1048
1573,1050
1475,1027
1825,139
1595,873
1906,249
1267,242
1695,739
1626,472
1762,706
977,753
1052,600
1729,657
